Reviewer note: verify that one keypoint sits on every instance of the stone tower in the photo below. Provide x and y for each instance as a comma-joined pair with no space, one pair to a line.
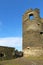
32,29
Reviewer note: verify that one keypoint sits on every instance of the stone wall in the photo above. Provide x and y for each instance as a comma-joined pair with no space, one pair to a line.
33,51
6,52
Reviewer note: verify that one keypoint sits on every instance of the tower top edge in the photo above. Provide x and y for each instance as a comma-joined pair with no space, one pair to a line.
32,10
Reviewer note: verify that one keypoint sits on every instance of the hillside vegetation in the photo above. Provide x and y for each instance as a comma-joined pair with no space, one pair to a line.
24,61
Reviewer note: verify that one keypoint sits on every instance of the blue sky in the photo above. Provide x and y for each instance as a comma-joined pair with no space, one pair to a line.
11,12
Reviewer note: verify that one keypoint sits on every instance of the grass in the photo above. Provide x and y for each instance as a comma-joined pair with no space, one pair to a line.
23,61
35,58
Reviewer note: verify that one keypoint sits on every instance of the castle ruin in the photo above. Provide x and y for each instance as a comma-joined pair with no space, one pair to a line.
32,29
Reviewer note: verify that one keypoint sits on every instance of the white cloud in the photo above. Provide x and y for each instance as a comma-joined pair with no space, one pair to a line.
11,42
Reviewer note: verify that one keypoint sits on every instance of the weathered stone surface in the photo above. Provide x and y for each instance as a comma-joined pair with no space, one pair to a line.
33,51
6,52
32,29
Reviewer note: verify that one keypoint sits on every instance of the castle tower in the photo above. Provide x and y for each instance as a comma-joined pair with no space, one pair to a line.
32,29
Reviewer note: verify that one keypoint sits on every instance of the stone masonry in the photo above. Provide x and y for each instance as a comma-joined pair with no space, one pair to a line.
32,29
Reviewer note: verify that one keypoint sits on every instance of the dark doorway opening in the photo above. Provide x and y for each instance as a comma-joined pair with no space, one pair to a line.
1,54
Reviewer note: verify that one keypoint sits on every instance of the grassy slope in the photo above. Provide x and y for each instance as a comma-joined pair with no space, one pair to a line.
24,61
